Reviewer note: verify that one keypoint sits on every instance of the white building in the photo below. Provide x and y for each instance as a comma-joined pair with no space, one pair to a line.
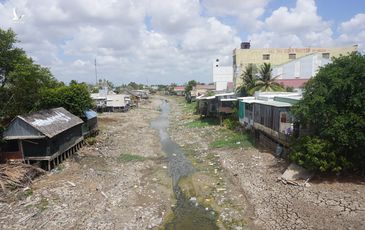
117,103
222,75
297,72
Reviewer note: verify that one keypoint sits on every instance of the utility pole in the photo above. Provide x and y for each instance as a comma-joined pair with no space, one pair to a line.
96,73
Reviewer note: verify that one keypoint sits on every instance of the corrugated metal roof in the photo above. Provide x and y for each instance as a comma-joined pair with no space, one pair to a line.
250,100
273,103
205,98
90,114
97,96
179,88
117,100
52,121
228,99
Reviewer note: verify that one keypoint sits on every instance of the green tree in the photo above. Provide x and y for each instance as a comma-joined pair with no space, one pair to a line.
189,87
74,98
249,79
21,79
265,81
333,107
133,85
9,54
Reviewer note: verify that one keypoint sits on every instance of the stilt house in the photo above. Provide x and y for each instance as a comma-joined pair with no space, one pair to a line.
44,136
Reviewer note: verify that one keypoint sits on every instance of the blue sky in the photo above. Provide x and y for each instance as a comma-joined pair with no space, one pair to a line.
171,41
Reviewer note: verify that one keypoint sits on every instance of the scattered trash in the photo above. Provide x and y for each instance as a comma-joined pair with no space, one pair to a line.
18,175
102,193
296,175
238,143
72,184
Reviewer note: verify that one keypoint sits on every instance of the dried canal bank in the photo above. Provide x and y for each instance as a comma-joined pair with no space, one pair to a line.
241,183
152,168
119,182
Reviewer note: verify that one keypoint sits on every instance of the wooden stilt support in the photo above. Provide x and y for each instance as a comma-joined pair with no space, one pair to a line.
49,165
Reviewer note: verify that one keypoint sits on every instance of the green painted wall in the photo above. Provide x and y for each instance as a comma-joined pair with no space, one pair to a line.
241,112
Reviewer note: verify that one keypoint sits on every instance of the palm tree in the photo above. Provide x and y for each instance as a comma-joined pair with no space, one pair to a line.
248,80
265,81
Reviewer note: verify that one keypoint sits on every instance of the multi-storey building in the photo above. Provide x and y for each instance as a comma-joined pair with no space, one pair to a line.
278,56
222,75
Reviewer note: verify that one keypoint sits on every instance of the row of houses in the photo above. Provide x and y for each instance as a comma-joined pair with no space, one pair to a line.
46,137
267,114
108,101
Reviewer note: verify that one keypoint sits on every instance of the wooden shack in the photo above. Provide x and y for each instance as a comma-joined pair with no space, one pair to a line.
47,136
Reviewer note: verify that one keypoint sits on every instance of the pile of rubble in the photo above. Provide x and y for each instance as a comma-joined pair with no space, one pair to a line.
17,175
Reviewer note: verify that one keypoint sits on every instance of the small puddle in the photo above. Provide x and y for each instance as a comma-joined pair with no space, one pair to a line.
187,213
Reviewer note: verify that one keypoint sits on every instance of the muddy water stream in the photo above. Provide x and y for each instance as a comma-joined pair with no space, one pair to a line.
188,214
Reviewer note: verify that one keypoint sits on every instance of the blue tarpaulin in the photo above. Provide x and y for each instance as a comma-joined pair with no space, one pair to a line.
90,114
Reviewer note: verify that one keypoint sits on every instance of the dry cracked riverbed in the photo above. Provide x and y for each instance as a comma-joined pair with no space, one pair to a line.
245,187
123,181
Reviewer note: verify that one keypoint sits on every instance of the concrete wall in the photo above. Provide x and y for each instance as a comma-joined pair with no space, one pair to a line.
243,57
302,68
222,75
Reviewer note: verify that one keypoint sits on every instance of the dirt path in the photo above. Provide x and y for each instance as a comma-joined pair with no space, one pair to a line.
118,183
245,189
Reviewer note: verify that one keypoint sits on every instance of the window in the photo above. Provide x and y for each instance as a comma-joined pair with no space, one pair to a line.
266,57
292,56
326,55
283,118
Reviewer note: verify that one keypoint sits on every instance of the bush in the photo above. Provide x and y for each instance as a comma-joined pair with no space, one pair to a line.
90,140
317,154
333,107
230,123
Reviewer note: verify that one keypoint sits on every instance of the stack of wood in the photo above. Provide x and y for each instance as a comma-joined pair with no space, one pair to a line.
17,175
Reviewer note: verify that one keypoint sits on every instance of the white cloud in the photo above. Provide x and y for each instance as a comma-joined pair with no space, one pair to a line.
299,26
247,13
353,31
174,17
179,43
355,24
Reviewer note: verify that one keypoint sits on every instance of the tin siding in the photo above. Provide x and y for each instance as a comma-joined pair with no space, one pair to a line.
20,128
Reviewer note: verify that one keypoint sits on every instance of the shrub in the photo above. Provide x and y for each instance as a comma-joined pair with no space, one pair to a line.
317,154
333,107
90,140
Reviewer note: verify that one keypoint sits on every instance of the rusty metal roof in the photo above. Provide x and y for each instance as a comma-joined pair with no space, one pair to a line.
51,122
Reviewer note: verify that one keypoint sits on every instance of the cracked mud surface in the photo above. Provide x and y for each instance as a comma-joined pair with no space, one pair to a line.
252,174
96,189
